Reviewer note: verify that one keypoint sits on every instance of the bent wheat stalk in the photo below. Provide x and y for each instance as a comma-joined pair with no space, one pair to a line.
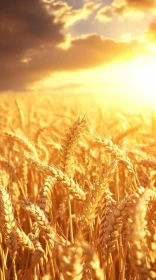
72,187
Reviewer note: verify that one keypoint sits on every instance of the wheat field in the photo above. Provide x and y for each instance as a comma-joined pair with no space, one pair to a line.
77,190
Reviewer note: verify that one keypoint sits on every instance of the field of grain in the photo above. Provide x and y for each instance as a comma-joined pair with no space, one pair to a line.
77,190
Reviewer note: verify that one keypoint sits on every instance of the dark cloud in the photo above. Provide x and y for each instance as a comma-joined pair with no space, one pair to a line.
25,26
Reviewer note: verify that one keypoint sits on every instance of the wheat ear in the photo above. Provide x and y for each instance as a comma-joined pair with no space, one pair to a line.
42,222
111,223
8,224
69,145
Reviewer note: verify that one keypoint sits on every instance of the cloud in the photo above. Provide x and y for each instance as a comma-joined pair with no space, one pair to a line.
69,16
125,8
84,53
33,27
24,27
29,27
31,33
108,12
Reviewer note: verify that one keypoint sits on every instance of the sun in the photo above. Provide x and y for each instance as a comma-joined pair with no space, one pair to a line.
143,79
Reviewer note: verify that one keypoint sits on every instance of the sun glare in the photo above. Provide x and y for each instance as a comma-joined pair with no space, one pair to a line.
143,79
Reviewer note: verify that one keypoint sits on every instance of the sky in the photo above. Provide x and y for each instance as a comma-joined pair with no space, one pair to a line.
77,45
